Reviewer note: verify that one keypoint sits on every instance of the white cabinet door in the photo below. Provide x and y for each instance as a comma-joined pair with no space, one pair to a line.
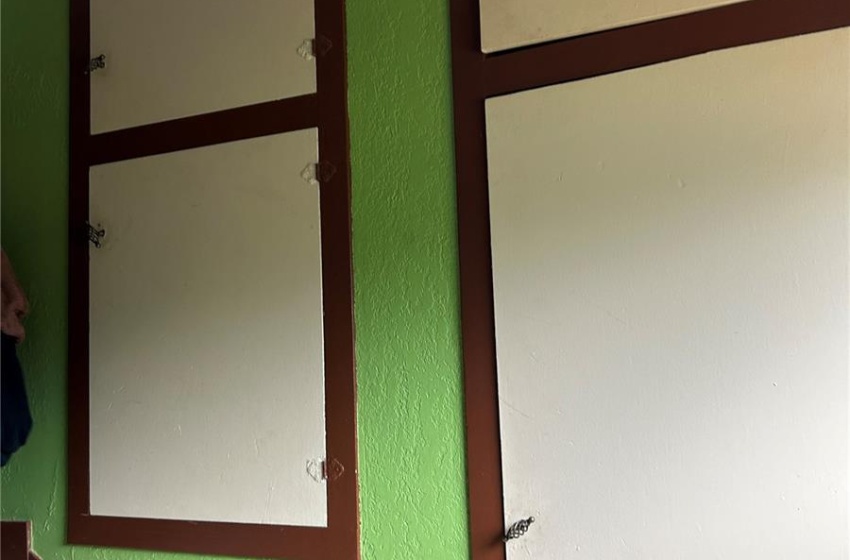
206,356
507,24
167,59
670,264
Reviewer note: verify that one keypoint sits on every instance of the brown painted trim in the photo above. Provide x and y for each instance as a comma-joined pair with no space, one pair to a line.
735,25
78,270
326,109
338,292
228,539
475,78
15,540
483,458
252,121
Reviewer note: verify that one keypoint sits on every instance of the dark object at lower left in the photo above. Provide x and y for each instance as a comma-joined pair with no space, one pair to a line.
14,408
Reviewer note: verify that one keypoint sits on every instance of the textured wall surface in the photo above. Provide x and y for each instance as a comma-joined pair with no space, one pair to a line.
408,349
405,258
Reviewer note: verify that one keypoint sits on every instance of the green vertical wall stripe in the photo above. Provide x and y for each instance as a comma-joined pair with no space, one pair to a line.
406,296
405,257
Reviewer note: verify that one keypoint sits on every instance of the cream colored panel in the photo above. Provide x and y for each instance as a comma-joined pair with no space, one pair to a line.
507,24
207,376
167,59
670,261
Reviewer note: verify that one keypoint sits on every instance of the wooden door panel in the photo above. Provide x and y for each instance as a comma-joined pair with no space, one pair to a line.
169,59
671,306
206,361
507,24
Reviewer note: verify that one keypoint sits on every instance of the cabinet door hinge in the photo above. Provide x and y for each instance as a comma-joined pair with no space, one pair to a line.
96,63
95,235
325,469
320,172
311,48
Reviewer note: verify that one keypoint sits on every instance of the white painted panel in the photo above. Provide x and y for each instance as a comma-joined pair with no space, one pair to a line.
207,375
167,59
670,252
507,24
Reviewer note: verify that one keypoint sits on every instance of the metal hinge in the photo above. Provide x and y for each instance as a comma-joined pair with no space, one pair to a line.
96,63
311,48
320,172
325,469
95,234
518,529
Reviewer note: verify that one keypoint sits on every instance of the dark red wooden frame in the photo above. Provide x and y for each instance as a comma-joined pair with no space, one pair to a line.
478,76
326,110
16,541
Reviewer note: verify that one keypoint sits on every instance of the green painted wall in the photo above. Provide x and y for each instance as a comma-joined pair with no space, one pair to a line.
405,258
